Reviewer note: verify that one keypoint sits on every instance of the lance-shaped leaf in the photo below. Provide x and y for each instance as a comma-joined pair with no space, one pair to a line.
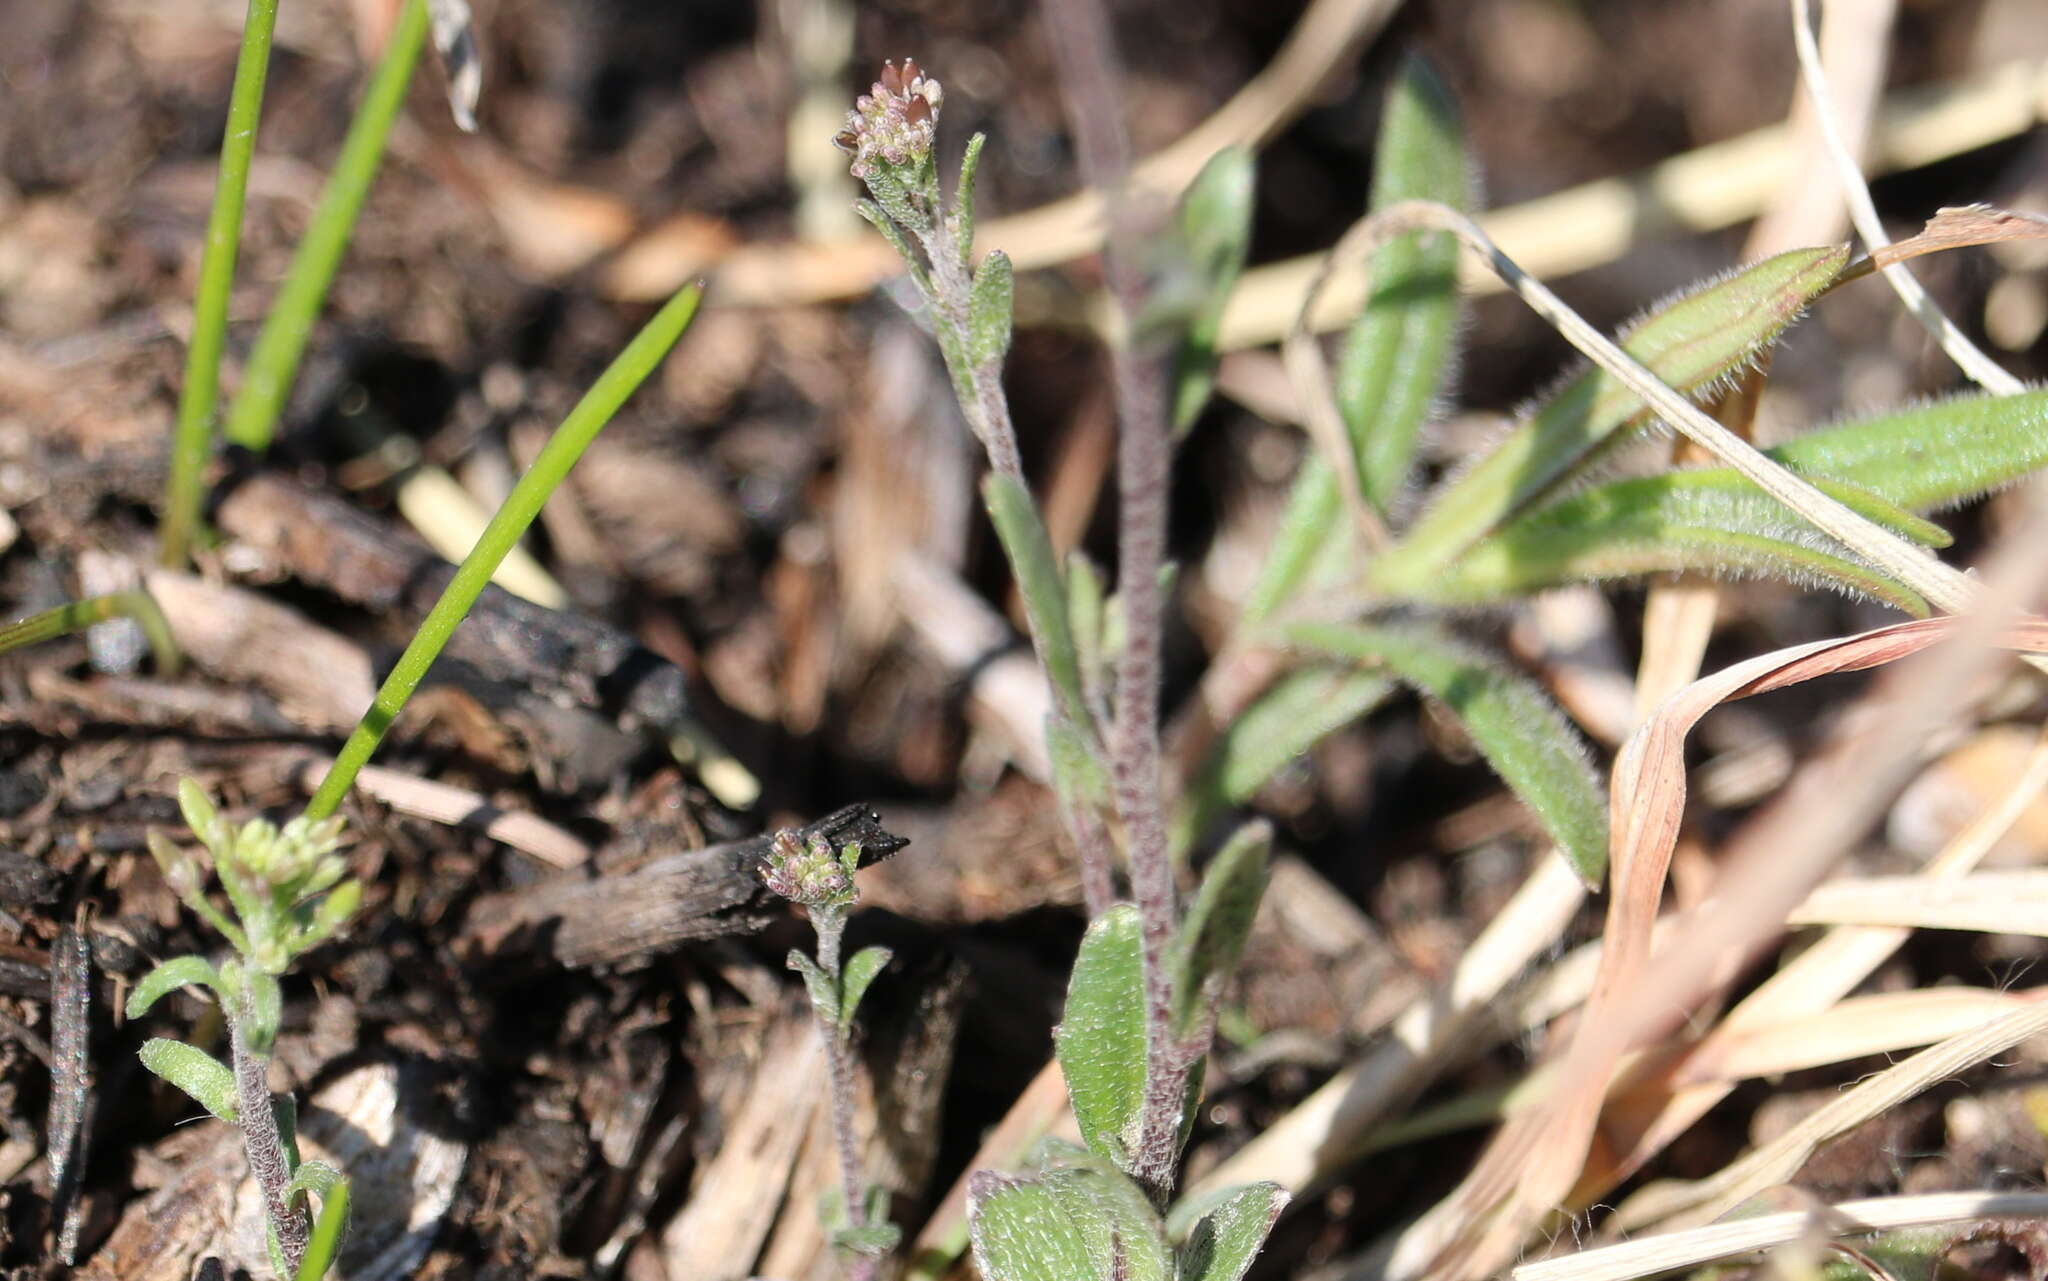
824,993
1087,610
860,972
1516,726
1123,1231
1038,580
1101,1040
1690,344
1294,714
1398,354
1931,456
1022,1231
1216,233
1301,544
1220,1235
168,977
990,301
963,197
1711,521
1211,938
194,1071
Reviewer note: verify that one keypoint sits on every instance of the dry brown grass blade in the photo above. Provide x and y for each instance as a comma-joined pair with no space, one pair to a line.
1988,903
1534,1162
1820,976
1672,1251
1953,227
1779,1160
1980,368
1308,1143
1881,1023
1327,37
1679,613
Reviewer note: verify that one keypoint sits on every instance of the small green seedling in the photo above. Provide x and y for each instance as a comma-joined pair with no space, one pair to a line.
806,870
288,891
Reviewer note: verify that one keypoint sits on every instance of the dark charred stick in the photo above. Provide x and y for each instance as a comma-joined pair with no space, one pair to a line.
70,1081
324,541
678,898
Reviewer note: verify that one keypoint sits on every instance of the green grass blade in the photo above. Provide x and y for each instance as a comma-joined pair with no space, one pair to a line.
1932,456
1399,351
1516,726
192,444
550,468
76,616
274,362
326,1243
1690,343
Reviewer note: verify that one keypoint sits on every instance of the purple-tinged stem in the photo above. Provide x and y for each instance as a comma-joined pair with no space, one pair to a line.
1085,55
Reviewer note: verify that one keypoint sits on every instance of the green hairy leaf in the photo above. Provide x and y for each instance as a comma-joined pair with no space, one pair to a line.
989,307
1216,226
1399,351
1932,456
1517,728
1211,938
1302,543
875,1240
1122,1230
963,196
859,974
1221,1235
1038,579
1711,520
1087,605
1690,343
1022,1231
205,1078
262,1011
168,977
1079,773
1294,714
824,993
1101,1039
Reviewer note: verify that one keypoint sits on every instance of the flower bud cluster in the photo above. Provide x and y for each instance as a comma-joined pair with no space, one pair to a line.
809,872
895,122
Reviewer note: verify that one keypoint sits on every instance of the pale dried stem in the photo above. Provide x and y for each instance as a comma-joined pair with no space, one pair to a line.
1980,368
1914,566
1677,1251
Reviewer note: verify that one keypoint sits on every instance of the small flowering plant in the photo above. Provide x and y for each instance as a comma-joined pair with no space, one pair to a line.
807,870
289,891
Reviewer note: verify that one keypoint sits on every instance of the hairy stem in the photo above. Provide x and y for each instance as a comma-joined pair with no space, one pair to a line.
829,921
265,1146
1084,52
987,407
193,442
